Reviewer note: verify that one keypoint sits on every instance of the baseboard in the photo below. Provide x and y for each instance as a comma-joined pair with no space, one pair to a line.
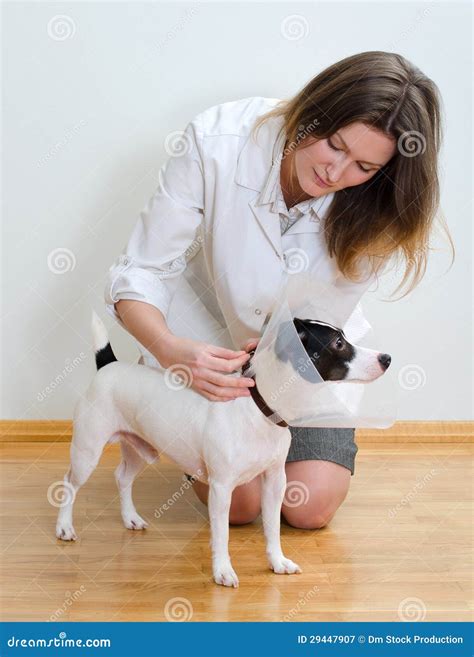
401,432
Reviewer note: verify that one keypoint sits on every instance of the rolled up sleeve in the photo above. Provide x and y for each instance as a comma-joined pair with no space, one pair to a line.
149,267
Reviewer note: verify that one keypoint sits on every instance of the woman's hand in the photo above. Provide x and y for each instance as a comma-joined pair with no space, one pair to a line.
250,344
208,365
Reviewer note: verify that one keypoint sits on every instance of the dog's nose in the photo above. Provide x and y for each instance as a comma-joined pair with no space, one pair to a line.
385,360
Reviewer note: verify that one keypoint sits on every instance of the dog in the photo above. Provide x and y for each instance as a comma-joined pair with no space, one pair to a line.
222,444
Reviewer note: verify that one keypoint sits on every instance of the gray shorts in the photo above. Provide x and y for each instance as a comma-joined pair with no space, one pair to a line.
319,443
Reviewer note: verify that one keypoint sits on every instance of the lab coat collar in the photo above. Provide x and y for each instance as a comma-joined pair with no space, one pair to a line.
258,168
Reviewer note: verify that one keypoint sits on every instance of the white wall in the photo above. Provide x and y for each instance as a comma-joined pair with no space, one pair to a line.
84,124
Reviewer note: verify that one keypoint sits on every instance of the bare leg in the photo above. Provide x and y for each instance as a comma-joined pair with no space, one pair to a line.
315,491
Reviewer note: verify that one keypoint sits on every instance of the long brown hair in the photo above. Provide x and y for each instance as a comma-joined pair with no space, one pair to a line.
391,214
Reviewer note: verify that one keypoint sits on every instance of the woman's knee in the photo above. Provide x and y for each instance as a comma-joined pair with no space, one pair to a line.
313,516
322,487
246,503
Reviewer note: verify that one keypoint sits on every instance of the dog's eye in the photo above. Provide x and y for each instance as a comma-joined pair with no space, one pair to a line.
339,343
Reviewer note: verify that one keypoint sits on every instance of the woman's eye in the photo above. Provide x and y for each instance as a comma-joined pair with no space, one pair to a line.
338,149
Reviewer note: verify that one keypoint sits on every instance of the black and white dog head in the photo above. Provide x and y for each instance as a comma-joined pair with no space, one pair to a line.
335,358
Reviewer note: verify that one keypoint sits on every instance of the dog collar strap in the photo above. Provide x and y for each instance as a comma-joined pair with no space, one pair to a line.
258,399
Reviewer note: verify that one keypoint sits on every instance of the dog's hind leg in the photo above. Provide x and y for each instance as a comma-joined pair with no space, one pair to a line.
130,466
84,460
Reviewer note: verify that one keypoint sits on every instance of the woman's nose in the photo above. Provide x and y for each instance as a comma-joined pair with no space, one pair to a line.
335,170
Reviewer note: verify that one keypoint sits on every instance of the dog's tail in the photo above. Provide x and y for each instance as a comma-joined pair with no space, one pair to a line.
100,340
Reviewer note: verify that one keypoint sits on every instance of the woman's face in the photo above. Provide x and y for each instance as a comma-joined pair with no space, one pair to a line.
349,157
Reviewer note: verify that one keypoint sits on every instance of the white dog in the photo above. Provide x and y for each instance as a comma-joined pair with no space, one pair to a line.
221,444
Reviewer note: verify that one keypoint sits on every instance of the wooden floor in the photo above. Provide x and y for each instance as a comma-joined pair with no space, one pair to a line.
399,547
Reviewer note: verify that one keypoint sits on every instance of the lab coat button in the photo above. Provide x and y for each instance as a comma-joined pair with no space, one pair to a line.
258,311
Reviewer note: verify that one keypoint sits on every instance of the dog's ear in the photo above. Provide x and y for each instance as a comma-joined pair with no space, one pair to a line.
301,330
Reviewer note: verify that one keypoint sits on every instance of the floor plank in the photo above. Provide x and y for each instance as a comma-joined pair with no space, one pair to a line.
399,545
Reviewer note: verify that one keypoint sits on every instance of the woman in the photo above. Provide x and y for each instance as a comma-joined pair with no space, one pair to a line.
344,177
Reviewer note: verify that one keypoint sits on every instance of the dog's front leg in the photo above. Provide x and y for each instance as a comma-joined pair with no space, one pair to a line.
220,495
273,492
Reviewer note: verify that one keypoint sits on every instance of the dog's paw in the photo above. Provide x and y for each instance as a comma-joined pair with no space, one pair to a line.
283,565
226,576
134,521
65,532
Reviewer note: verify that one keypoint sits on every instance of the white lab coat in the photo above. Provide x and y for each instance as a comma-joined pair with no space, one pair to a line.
207,248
